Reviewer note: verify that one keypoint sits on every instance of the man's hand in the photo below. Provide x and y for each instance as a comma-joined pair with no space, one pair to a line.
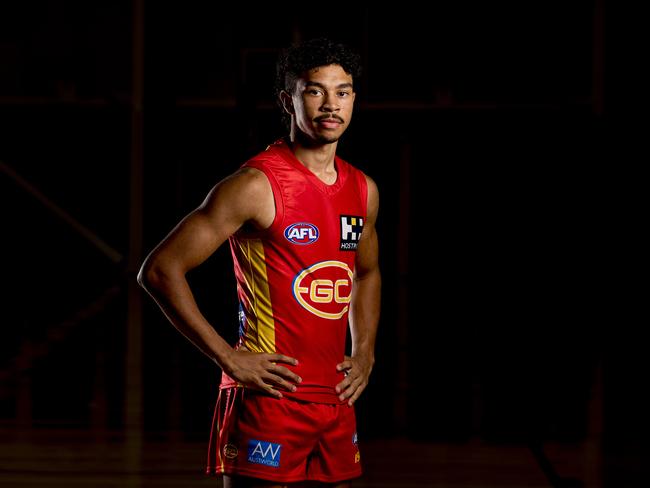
357,371
259,371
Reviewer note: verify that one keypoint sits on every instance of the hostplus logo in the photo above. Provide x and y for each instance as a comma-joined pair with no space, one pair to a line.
351,228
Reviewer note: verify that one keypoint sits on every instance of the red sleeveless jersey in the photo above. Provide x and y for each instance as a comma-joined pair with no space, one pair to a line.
294,279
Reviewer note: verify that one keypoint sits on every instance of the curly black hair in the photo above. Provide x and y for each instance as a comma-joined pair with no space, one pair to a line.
298,58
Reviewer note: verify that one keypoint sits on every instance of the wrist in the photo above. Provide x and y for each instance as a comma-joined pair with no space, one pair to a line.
368,355
224,358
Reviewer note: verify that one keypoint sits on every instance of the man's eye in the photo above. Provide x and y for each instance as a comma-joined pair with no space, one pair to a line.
314,92
343,94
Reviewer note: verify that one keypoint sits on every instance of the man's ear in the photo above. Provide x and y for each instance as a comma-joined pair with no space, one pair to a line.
287,102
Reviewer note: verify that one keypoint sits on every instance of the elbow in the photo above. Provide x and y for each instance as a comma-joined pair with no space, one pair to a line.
151,275
369,274
144,275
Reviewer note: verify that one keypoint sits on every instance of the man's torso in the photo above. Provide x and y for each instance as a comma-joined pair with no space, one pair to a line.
294,279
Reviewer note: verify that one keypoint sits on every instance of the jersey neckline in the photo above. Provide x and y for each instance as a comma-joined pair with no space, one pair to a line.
287,154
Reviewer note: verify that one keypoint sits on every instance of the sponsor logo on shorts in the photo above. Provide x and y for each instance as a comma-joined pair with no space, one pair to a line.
355,439
351,227
230,451
301,233
357,457
262,452
324,289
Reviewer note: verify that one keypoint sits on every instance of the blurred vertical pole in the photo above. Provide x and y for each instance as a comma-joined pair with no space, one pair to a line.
99,410
400,405
598,61
365,52
24,401
296,32
593,455
133,371
594,459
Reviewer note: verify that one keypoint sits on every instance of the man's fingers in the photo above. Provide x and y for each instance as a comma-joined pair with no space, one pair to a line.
286,373
278,380
344,366
270,390
356,395
281,358
343,385
354,387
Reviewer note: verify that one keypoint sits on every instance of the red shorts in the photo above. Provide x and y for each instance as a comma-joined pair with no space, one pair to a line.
282,440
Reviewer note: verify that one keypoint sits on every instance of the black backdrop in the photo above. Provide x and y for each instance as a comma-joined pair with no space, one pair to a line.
500,139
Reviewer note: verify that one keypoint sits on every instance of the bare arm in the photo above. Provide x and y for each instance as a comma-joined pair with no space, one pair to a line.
243,197
364,307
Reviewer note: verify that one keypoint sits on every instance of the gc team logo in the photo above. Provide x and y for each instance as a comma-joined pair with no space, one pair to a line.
324,289
301,233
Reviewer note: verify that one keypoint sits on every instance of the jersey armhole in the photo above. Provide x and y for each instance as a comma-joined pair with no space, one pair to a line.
363,183
277,197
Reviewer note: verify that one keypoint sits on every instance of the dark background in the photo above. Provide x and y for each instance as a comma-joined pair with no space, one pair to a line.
503,141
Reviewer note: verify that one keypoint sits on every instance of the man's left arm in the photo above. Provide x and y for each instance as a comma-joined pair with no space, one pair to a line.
364,307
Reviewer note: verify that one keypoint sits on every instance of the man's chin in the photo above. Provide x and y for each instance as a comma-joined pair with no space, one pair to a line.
327,138
318,138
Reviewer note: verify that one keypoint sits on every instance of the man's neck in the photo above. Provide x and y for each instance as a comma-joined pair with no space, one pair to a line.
318,158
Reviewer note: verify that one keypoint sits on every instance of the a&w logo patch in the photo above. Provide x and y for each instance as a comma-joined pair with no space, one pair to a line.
262,452
351,227
301,233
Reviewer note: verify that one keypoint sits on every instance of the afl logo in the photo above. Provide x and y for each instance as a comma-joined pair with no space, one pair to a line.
324,289
301,233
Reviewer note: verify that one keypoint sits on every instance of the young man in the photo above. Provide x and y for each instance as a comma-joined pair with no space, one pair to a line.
301,226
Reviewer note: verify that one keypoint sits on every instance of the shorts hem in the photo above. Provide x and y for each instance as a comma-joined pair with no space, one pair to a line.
336,479
288,479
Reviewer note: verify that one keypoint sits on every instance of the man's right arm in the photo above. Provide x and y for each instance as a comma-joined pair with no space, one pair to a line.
245,197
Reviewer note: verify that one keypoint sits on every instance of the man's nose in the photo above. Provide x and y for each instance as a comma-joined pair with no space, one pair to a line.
330,103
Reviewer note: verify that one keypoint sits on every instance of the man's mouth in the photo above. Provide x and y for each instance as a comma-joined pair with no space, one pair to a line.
331,122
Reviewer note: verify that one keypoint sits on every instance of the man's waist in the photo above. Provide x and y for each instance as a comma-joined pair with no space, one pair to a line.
306,391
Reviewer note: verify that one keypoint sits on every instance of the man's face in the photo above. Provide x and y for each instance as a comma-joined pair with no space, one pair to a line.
322,103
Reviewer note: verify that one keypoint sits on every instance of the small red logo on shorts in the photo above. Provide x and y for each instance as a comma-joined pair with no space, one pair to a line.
230,451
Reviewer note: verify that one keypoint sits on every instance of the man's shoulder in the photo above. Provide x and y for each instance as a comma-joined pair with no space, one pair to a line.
272,153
